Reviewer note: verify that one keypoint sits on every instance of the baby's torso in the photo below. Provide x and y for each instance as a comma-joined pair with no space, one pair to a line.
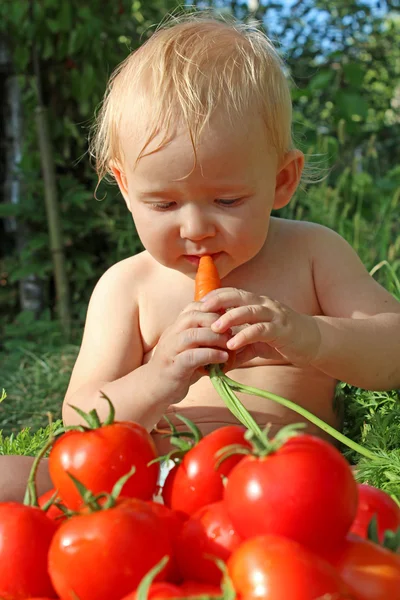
286,277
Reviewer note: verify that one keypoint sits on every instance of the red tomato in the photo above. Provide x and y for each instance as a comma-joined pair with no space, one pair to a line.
53,512
370,571
105,554
197,588
197,482
372,501
304,491
100,457
208,532
25,537
161,590
276,568
158,591
172,522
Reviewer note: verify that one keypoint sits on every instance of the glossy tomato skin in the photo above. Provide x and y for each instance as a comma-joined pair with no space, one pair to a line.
198,588
161,590
197,482
25,537
276,568
100,457
372,501
370,571
172,522
304,491
209,532
158,591
104,555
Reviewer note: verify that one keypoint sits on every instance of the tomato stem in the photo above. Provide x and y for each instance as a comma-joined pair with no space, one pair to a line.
31,496
93,502
92,418
182,440
222,383
144,585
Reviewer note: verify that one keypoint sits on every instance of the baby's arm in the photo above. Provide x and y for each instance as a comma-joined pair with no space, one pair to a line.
360,332
356,337
111,355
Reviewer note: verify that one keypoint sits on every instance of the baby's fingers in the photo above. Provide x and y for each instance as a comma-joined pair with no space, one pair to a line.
243,315
195,358
201,337
259,332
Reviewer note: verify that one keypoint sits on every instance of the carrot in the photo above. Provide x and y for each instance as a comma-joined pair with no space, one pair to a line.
207,278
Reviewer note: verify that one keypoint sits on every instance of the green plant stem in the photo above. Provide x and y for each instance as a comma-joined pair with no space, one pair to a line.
236,407
222,384
31,496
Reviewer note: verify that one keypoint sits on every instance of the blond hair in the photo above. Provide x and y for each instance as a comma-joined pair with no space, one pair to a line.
191,66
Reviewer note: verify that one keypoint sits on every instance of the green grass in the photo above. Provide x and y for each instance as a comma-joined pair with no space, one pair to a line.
35,382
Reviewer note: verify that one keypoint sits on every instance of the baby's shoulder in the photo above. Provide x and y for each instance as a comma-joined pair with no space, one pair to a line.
304,236
124,278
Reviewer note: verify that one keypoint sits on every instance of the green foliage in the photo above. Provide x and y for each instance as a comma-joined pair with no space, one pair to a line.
78,46
26,442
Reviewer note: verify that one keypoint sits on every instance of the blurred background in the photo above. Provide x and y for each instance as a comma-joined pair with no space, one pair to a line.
56,238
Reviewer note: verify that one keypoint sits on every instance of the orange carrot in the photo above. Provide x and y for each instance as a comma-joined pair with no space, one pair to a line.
207,278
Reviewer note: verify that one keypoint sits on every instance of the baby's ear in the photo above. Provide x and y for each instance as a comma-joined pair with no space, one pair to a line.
288,177
122,181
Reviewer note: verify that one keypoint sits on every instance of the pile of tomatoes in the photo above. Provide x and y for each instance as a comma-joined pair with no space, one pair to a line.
235,518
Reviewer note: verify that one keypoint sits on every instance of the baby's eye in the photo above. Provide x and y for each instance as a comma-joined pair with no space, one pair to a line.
162,205
228,201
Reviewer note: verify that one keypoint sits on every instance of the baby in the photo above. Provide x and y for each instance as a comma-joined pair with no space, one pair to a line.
196,130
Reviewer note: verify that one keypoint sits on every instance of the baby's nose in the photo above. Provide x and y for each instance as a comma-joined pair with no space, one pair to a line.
196,225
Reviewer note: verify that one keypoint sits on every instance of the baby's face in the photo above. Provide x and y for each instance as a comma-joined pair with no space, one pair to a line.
220,206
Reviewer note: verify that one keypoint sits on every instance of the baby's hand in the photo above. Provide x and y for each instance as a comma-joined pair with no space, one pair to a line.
267,324
186,346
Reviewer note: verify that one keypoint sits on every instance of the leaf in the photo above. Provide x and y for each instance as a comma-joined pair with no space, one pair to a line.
351,103
54,25
354,74
34,268
7,209
321,79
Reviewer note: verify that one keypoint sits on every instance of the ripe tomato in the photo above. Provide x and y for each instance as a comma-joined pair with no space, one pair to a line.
372,501
100,457
304,491
104,555
53,512
209,532
172,522
161,590
25,537
276,568
158,591
197,588
197,482
370,571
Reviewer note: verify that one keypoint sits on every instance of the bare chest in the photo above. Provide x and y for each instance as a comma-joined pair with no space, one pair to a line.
287,281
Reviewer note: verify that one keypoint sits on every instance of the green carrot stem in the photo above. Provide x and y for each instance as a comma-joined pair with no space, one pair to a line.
222,383
233,402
